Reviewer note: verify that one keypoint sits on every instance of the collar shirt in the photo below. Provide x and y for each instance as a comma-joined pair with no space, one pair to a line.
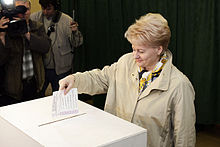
27,65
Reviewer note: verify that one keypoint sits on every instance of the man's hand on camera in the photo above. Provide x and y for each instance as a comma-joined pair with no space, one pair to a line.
17,18
3,22
74,26
3,26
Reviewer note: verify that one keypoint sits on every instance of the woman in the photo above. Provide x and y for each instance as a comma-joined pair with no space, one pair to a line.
144,87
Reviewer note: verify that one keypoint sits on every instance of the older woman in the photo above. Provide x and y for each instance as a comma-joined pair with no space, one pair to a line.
144,87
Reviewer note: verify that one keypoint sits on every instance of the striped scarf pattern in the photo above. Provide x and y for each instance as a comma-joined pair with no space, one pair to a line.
147,77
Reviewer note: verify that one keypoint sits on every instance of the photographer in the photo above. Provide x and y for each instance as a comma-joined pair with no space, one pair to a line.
65,36
21,57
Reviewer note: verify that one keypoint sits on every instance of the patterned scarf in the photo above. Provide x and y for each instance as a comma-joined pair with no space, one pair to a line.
147,77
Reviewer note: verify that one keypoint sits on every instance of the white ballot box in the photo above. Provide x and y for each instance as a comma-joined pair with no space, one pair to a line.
30,124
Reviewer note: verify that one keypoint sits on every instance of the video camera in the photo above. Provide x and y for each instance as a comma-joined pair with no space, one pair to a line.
9,10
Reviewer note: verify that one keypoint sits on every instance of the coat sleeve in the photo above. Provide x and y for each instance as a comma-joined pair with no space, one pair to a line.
184,116
36,16
95,81
76,38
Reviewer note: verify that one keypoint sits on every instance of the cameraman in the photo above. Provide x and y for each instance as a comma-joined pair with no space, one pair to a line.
65,36
21,57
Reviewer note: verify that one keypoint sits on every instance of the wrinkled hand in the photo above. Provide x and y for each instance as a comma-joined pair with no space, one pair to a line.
66,83
74,26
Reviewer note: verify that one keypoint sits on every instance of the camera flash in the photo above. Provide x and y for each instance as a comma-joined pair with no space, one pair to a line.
8,2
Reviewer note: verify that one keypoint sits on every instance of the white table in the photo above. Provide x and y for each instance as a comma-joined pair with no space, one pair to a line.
20,126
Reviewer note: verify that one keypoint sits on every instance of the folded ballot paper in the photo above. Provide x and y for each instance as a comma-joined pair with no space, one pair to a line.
65,104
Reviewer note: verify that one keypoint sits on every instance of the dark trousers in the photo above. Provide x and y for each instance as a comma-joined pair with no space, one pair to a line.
30,89
53,78
7,100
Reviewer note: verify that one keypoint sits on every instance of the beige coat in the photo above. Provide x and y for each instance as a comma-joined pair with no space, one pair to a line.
165,108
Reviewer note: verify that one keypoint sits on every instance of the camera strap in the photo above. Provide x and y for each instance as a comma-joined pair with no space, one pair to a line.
50,29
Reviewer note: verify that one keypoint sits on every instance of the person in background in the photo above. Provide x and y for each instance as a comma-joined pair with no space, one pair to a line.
21,57
65,36
144,87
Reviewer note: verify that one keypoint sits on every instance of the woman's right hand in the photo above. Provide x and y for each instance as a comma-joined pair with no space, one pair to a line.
66,83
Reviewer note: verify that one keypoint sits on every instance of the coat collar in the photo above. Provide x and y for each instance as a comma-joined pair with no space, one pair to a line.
163,81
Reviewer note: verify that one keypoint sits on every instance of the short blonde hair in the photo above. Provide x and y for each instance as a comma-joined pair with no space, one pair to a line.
151,29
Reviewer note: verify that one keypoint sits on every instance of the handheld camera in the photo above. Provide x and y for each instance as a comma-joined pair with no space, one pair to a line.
9,10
